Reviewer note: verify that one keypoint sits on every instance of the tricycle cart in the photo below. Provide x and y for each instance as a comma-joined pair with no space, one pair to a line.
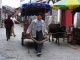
31,9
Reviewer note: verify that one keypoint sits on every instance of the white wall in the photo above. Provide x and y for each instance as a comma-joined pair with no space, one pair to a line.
48,20
3,15
59,16
77,19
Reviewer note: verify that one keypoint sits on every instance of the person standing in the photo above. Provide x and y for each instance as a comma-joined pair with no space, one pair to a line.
37,29
8,25
14,20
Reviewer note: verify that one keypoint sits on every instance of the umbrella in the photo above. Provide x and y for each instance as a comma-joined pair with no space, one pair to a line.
34,8
66,4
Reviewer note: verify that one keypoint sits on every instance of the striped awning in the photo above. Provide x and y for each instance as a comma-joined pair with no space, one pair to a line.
66,4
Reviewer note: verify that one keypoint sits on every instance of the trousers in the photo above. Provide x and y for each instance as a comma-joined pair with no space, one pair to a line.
8,32
39,37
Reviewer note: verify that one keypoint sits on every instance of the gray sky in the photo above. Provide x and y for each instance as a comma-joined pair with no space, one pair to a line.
12,3
16,3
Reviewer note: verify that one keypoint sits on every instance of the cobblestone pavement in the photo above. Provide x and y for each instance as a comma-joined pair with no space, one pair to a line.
13,50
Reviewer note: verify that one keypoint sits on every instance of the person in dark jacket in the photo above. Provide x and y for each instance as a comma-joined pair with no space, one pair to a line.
8,25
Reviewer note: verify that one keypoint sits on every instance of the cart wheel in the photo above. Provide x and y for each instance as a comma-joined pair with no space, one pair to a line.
22,42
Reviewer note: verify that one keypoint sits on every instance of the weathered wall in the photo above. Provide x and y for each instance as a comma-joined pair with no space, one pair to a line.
55,16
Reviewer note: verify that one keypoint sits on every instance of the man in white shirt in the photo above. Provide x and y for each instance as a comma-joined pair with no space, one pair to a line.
14,20
37,29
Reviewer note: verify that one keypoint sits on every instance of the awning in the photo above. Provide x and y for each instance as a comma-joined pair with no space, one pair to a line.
66,4
34,8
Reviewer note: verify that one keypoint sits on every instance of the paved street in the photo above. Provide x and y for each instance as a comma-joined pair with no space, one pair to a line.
13,50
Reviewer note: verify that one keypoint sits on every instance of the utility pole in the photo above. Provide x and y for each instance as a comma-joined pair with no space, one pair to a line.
30,1
22,18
